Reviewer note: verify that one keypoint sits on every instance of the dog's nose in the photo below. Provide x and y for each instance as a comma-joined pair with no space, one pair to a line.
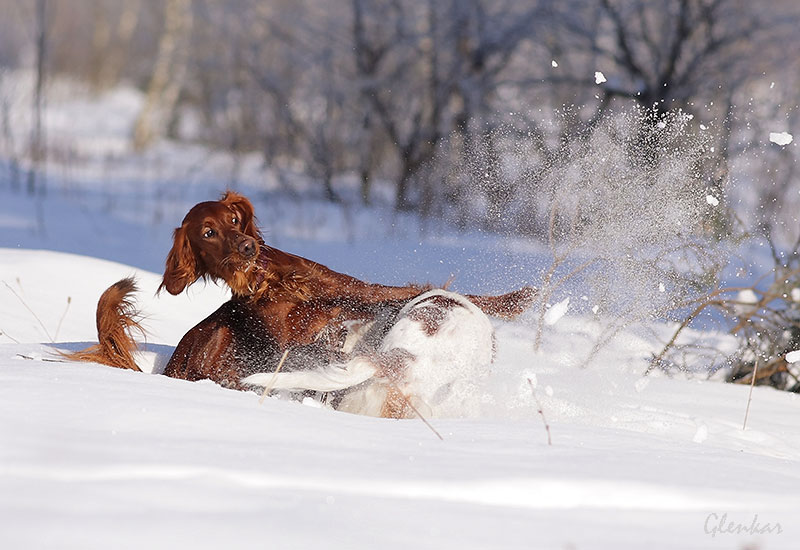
247,248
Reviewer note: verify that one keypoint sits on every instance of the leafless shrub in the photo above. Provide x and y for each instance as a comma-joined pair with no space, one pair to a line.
763,314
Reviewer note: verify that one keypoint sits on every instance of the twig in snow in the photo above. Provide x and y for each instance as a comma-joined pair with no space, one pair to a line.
413,408
750,395
268,387
29,358
66,309
7,335
8,286
541,411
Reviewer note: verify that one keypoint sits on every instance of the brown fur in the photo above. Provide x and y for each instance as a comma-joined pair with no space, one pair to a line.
396,404
431,318
116,321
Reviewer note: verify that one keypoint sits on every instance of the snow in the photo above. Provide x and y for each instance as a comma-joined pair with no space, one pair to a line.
150,461
701,434
781,138
793,356
554,63
712,200
94,457
555,312
599,77
745,301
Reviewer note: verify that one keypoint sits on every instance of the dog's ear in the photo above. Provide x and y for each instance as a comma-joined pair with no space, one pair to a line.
181,269
243,206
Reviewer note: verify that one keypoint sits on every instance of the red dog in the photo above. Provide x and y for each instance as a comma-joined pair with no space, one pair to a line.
280,302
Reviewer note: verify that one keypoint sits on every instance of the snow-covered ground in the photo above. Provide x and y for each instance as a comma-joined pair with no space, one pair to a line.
93,457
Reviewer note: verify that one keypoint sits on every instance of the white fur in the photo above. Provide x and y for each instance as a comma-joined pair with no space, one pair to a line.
326,378
437,378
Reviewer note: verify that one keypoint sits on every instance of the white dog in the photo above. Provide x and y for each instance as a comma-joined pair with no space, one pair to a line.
436,347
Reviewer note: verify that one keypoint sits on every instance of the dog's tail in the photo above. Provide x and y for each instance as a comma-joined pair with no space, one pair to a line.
117,321
506,306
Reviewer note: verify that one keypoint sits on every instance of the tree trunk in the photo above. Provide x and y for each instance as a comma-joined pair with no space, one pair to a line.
168,74
365,185
110,49
401,200
367,159
38,149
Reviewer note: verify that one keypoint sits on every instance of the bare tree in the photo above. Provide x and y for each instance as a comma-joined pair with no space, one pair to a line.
112,33
38,137
398,63
667,53
9,146
169,72
429,68
412,91
693,55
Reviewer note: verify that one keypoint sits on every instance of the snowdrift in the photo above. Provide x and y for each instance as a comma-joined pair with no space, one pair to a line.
94,457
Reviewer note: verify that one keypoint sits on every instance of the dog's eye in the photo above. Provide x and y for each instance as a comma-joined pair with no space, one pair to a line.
209,233
235,220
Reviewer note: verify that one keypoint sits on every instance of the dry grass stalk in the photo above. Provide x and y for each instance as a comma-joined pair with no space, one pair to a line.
541,411
268,387
45,359
7,335
31,311
750,395
416,411
61,320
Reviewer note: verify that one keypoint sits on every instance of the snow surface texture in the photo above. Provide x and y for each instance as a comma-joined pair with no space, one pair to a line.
93,457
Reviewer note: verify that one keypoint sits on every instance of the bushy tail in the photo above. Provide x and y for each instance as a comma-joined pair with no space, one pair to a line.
506,306
117,320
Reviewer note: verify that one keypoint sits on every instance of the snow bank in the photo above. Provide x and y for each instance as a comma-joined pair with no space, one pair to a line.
94,457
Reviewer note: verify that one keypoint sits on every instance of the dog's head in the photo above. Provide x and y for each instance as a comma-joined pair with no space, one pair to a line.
218,240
